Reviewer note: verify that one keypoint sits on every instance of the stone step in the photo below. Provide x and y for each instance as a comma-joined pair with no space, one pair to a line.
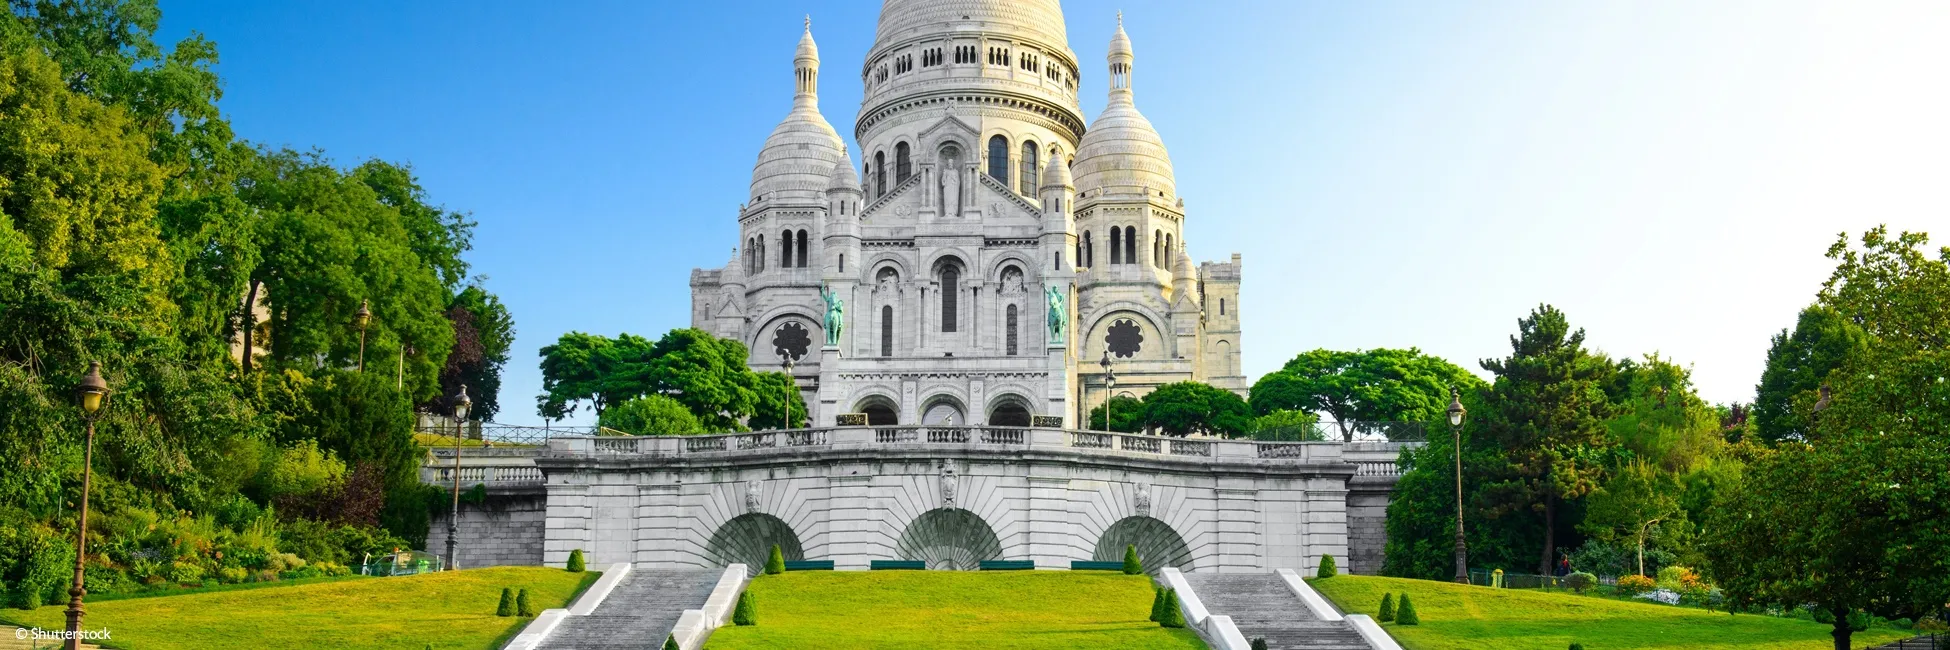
1262,607
639,613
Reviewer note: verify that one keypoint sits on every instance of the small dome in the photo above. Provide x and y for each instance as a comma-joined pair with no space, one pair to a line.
734,271
807,48
1057,173
798,157
1122,154
1038,19
843,177
1183,267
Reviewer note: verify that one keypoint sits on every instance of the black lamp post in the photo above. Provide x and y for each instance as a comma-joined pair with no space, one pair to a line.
1456,413
361,319
794,382
1110,382
461,404
94,395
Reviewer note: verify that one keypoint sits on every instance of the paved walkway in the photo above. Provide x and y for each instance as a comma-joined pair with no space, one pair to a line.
1262,606
1938,641
639,613
10,639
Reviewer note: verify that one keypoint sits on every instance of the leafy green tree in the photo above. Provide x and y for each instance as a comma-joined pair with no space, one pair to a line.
1797,364
1547,408
1379,384
592,368
483,333
1126,415
651,415
774,395
1287,426
1637,506
1188,407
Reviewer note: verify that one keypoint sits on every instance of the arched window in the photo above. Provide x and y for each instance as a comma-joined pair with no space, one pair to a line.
1222,306
1130,244
1028,168
1158,248
802,249
761,252
1079,256
887,331
842,262
902,166
749,267
1170,249
950,285
785,249
999,159
880,173
1089,255
1010,327
1116,245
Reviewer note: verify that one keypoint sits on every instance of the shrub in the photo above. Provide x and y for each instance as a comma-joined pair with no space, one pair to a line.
1131,564
1635,585
1327,568
1580,581
747,612
670,643
507,606
651,415
1405,614
1577,646
1157,604
26,596
1675,578
185,573
1171,617
576,564
1259,643
232,575
775,564
522,606
1387,613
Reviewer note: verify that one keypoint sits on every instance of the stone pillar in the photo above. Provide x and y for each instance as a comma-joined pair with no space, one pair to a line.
851,527
828,405
567,519
1240,532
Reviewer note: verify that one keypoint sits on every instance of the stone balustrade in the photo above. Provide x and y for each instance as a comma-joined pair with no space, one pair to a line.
936,437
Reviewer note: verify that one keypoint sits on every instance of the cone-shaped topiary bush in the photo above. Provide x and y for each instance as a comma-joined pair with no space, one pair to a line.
1405,614
1131,564
1259,643
775,564
670,643
522,606
747,612
507,607
1387,613
1157,603
1171,617
576,563
1327,568
1577,646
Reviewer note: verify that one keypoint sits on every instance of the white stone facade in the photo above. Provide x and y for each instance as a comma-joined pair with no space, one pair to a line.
964,221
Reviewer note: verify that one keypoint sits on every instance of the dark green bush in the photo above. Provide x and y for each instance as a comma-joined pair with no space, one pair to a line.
1580,581
1577,646
576,563
747,612
1327,568
1405,614
1171,617
1259,643
1157,604
522,606
507,607
1131,564
1387,613
775,564
670,643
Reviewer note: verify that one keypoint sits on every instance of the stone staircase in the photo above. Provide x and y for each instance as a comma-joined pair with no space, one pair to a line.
639,613
1262,606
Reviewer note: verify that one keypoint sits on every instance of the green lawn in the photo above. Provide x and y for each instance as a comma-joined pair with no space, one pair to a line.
454,610
952,609
1457,617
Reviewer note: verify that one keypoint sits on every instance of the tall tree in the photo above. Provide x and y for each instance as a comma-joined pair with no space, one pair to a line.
1638,506
1378,384
483,334
1188,407
1797,364
1125,414
1547,408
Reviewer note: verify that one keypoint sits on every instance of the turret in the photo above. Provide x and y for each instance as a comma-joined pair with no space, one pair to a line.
842,231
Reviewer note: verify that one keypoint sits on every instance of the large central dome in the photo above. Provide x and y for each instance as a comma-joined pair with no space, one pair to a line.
1038,19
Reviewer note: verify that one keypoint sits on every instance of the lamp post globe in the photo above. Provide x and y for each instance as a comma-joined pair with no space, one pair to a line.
361,319
794,382
1110,382
93,394
1456,413
461,405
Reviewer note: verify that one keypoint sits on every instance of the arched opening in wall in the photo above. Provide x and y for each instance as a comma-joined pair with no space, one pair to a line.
949,539
785,249
747,539
1225,359
1116,245
887,330
1009,411
1130,244
1010,329
879,173
943,411
903,165
802,249
881,411
1028,172
999,159
948,272
1158,546
1089,255
1158,248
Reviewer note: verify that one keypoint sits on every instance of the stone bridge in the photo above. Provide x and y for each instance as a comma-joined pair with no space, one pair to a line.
948,496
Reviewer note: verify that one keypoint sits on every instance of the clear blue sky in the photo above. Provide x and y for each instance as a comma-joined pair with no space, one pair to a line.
1395,173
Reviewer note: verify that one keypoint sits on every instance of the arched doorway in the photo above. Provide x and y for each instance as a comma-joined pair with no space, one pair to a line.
1009,411
748,539
1158,546
881,411
949,539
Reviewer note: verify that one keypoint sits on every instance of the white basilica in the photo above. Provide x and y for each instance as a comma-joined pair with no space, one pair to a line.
991,253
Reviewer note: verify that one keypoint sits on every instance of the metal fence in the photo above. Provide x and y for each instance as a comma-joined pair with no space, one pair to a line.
502,434
1349,431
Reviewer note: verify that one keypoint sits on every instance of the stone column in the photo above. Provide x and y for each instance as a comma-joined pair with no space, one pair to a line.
828,406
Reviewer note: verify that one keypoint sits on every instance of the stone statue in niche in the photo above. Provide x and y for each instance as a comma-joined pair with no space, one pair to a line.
950,182
752,495
1141,502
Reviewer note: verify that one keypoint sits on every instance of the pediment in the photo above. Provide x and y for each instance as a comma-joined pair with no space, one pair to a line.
901,203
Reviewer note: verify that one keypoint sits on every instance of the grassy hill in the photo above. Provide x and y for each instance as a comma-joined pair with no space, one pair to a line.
1457,617
952,609
454,610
